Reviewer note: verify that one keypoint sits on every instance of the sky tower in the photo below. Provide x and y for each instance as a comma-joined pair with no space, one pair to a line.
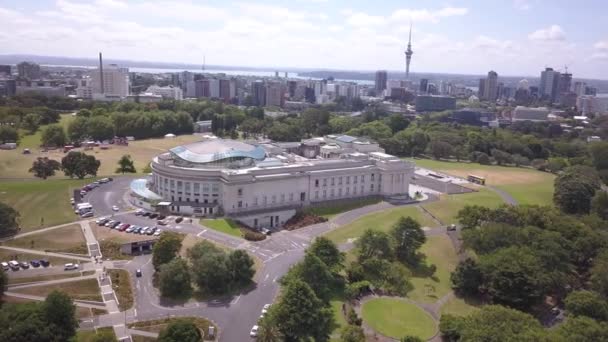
408,55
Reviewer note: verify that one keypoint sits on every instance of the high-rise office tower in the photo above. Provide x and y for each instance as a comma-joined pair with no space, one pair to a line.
381,78
424,85
549,80
5,69
408,55
275,94
258,93
579,88
110,80
490,91
481,90
565,83
28,70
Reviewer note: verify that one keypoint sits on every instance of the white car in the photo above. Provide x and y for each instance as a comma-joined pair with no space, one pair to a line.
254,331
70,266
265,309
157,232
115,208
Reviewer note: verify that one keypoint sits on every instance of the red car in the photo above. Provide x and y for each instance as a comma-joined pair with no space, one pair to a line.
124,226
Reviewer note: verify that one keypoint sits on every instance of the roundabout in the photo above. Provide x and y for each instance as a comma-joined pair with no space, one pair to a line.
397,318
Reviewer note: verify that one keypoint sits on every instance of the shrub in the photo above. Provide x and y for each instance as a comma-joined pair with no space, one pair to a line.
253,236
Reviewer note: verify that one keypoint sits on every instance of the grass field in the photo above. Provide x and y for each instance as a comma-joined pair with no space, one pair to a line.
336,306
15,164
226,226
121,283
397,318
448,206
330,210
527,186
34,279
440,252
382,220
89,335
69,239
87,289
159,324
459,307
7,255
33,199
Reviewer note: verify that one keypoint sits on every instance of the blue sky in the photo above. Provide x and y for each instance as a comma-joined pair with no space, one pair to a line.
513,37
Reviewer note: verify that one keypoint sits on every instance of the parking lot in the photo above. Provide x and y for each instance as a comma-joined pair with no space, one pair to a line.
105,196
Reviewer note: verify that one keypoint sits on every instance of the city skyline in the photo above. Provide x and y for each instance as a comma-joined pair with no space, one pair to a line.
459,38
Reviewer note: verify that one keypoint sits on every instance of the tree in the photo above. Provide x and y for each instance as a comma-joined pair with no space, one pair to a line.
59,311
25,322
501,157
352,333
315,273
303,315
473,215
125,164
599,274
599,204
328,252
54,135
599,155
8,134
587,303
373,243
268,330
181,330
166,248
575,188
408,237
411,339
240,267
514,276
497,323
3,283
79,164
8,220
211,273
467,277
43,167
31,122
440,149
582,329
174,279
78,129
450,327
100,128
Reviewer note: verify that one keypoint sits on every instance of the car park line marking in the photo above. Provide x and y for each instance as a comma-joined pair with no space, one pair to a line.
201,233
266,277
235,300
275,279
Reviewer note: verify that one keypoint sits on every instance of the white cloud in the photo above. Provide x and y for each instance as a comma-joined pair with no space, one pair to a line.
424,15
551,33
601,45
599,56
363,20
523,5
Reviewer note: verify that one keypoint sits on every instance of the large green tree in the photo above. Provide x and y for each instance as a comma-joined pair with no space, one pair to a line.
31,122
180,330
409,237
211,273
166,248
599,204
575,188
301,315
54,136
467,277
240,266
8,134
79,164
125,165
43,167
374,243
174,279
328,252
59,311
581,329
9,224
352,333
315,273
587,303
3,282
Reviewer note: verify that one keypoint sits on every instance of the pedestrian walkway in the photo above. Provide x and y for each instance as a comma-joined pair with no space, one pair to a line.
35,251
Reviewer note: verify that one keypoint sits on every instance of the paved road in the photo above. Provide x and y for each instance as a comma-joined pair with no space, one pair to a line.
109,194
504,195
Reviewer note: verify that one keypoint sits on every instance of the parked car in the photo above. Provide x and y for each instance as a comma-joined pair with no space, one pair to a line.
14,265
144,230
116,224
153,215
150,231
162,222
254,331
103,180
265,308
179,219
161,217
109,223
138,273
157,232
130,229
70,267
451,227
5,266
265,231
25,265
146,214
115,208
35,263
139,212
87,214
124,227
72,200
44,263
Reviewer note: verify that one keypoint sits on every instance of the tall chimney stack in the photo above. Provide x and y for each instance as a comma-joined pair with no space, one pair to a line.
101,73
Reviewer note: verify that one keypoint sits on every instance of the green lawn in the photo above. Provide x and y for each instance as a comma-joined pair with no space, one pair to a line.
87,289
527,186
448,206
329,211
459,307
382,220
440,252
41,203
69,239
397,318
227,226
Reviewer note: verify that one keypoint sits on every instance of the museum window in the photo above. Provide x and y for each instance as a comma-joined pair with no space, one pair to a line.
240,204
333,181
291,197
332,194
371,187
373,176
347,179
340,192
324,181
324,193
316,183
355,179
362,178
340,181
240,192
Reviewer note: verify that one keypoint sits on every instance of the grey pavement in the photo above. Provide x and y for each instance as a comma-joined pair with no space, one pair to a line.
142,333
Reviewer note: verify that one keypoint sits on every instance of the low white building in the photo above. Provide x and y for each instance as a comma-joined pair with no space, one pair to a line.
263,184
169,92
521,113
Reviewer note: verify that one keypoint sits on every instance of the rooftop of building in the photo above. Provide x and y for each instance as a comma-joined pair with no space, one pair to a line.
217,149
